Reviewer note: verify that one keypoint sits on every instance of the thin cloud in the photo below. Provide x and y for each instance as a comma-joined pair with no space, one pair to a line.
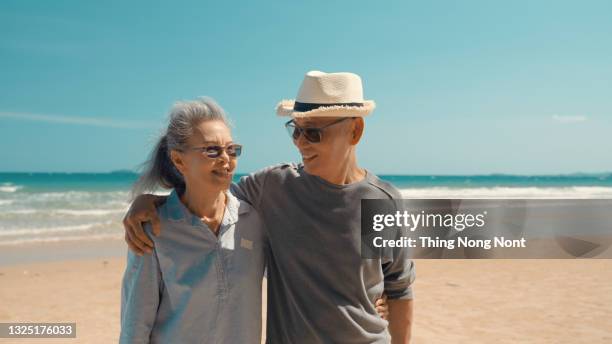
75,120
569,119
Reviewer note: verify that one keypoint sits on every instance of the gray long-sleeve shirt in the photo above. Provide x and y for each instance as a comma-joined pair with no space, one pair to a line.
320,290
196,287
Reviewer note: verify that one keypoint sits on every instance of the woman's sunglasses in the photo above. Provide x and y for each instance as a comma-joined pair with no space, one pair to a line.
313,135
213,152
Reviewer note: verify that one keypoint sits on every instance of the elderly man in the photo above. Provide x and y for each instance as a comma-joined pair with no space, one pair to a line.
320,288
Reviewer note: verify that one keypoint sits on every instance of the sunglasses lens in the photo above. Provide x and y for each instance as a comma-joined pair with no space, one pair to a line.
213,151
312,135
296,133
234,150
292,131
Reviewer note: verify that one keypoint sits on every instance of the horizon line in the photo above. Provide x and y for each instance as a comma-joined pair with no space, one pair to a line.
128,171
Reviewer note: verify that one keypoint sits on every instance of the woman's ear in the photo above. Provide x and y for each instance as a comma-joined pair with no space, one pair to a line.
358,126
178,161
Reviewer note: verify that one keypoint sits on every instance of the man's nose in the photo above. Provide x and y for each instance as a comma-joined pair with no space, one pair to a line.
301,141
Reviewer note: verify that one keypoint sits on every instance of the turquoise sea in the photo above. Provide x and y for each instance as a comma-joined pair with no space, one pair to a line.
49,207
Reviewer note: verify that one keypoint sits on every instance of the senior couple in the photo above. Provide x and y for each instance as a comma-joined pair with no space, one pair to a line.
197,257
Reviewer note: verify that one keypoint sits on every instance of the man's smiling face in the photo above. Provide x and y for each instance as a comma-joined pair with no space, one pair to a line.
332,151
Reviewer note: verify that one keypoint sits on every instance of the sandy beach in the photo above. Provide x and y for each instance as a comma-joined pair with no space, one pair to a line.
457,301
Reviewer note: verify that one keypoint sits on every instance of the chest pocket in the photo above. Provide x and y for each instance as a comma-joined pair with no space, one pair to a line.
242,249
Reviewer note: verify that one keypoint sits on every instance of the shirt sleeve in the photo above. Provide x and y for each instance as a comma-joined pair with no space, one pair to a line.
140,295
398,271
250,187
399,276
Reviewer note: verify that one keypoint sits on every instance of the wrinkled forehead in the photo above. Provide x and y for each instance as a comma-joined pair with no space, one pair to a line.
211,132
315,121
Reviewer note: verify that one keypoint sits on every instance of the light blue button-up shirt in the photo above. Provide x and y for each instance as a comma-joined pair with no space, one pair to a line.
196,287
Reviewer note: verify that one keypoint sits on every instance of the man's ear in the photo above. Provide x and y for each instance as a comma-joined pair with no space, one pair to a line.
177,160
358,126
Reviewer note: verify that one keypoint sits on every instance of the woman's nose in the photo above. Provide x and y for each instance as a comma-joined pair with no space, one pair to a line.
224,156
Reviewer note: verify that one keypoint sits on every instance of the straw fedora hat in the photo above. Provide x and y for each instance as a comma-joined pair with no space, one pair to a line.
328,95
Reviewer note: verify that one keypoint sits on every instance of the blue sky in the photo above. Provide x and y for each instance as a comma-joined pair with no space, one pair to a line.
462,87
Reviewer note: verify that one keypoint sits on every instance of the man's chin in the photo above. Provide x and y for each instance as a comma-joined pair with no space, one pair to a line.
311,168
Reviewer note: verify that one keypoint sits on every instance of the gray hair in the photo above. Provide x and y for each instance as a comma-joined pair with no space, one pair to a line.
158,170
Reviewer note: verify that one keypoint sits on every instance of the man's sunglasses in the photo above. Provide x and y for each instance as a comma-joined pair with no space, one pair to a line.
213,152
313,135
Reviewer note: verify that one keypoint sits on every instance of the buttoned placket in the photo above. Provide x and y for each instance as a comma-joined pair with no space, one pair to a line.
179,212
220,264
222,287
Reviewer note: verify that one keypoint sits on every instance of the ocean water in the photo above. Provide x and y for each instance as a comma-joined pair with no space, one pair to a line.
504,186
51,207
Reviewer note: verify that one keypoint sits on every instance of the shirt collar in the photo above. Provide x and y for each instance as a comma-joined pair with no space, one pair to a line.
177,211
231,210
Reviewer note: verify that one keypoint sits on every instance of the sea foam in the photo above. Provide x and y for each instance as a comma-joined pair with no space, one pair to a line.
599,192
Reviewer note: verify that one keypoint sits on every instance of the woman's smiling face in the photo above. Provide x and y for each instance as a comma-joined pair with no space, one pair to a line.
197,168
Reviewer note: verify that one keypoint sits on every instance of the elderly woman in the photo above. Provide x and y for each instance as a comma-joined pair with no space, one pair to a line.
202,283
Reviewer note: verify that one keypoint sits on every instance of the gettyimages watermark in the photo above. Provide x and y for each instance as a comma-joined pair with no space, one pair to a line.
486,228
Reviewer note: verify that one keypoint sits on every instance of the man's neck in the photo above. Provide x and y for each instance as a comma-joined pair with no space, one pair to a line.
347,172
